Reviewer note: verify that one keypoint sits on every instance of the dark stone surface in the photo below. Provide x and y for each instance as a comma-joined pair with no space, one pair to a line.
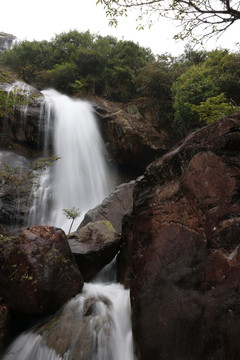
182,249
38,271
131,139
94,246
113,208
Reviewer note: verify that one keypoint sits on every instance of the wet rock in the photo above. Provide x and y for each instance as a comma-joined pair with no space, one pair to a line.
182,242
113,208
130,139
94,246
12,207
24,125
82,328
38,271
4,326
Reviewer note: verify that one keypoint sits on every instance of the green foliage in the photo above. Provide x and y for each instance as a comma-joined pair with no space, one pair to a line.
15,181
82,62
183,91
27,58
72,213
214,108
204,86
60,76
8,103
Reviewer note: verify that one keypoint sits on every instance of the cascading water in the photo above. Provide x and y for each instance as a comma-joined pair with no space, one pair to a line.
79,178
95,325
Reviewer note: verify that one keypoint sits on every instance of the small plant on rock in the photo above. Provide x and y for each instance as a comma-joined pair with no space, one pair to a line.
72,213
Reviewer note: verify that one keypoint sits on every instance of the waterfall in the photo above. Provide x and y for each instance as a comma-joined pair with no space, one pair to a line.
95,325
79,178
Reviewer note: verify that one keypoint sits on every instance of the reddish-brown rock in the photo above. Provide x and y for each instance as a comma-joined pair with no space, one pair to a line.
38,271
131,140
94,246
4,326
183,237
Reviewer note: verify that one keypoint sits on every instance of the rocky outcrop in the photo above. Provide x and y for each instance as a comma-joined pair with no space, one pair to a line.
131,140
113,208
13,208
38,271
24,124
6,41
94,246
183,242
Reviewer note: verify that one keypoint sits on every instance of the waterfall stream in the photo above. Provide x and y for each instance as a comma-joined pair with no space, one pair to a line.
79,178
95,325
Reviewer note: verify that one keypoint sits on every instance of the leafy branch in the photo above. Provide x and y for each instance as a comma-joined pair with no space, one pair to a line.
14,181
73,214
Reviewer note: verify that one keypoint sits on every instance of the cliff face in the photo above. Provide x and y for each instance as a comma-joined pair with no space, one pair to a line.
21,125
131,140
182,244
6,41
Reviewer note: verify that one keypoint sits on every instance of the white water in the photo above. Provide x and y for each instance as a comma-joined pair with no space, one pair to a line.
79,178
95,325
98,328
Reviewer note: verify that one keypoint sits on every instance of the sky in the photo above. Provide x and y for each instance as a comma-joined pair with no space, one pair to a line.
42,20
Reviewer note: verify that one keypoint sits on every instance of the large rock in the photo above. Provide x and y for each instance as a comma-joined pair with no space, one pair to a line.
6,41
113,208
131,140
94,246
38,271
183,239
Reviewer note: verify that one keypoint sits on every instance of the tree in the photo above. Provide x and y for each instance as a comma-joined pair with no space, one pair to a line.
72,213
207,16
27,58
15,181
209,89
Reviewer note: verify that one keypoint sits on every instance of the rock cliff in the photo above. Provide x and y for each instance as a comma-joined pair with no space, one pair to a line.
6,41
183,249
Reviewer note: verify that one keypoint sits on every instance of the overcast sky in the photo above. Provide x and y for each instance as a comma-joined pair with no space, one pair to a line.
42,20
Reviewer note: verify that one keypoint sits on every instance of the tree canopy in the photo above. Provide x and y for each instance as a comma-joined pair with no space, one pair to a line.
184,93
199,18
76,62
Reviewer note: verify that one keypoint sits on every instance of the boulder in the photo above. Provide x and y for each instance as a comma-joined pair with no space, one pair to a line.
131,140
182,249
94,246
38,271
113,208
83,329
4,326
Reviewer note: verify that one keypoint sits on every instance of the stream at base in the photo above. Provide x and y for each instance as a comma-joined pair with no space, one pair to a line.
95,325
